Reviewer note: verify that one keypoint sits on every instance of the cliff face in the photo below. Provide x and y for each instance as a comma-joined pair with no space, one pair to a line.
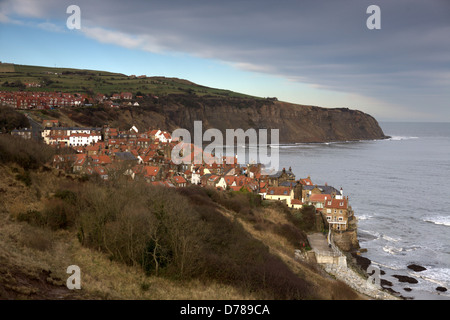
297,123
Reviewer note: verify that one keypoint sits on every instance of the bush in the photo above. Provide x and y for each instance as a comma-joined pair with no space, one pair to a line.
29,154
24,177
33,217
56,215
10,119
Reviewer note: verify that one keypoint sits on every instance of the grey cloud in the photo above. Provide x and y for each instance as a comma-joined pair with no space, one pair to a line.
320,42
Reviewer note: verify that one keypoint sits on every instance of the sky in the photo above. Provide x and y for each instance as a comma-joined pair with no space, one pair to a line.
313,52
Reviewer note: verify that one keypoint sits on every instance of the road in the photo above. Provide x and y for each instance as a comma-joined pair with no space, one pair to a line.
36,128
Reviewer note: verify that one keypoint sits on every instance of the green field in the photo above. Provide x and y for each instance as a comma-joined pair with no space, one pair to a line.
13,77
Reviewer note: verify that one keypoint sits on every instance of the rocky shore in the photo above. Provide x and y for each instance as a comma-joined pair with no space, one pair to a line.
363,263
359,283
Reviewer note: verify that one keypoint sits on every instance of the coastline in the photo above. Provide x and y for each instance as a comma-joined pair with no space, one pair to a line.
356,281
355,276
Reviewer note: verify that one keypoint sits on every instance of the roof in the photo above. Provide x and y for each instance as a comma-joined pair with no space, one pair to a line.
276,175
279,191
150,171
290,184
320,197
125,156
306,181
179,179
336,203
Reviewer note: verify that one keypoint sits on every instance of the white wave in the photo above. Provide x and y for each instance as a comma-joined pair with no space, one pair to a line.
372,233
441,220
389,266
385,237
399,138
392,250
363,216
440,276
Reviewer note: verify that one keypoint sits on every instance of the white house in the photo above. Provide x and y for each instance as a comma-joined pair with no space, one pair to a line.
195,178
221,183
83,139
163,136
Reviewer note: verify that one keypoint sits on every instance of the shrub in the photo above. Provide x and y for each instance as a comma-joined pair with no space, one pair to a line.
29,154
10,119
24,177
33,217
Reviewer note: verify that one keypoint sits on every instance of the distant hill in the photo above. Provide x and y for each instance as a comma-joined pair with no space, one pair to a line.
93,81
7,67
170,103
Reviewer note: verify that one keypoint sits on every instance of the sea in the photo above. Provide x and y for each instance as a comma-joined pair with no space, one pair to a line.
399,189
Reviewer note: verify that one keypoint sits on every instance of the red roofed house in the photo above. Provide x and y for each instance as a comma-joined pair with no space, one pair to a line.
152,173
280,193
306,181
336,212
296,204
318,200
179,181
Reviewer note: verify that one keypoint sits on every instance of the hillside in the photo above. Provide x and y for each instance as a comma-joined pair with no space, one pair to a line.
133,241
169,103
71,80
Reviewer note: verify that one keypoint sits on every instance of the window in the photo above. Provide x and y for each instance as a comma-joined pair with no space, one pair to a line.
328,218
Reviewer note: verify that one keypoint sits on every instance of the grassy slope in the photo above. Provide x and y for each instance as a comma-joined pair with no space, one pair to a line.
102,82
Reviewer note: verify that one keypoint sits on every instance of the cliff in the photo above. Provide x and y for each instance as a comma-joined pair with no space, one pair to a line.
297,123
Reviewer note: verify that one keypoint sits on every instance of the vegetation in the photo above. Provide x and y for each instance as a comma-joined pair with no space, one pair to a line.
10,119
179,234
93,81
26,153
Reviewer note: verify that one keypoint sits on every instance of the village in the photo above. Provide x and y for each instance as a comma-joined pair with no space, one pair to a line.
107,153
41,100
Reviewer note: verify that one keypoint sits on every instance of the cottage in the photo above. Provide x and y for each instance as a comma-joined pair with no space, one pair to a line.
280,193
222,183
152,173
179,181
296,204
336,213
318,200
